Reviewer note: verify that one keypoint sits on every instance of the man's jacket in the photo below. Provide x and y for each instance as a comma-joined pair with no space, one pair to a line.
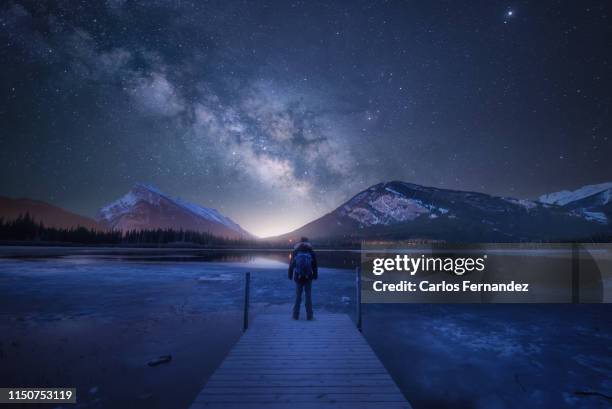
307,248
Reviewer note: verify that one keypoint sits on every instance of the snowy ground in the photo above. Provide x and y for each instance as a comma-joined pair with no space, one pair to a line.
95,321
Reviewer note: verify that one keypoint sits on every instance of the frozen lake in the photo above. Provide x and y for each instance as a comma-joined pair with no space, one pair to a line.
94,318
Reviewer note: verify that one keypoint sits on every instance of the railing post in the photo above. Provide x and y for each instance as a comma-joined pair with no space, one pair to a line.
575,273
358,296
247,285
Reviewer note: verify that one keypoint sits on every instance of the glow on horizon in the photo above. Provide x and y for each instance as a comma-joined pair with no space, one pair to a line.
279,216
267,228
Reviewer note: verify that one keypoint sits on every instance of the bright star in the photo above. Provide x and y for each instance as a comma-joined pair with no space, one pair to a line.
510,13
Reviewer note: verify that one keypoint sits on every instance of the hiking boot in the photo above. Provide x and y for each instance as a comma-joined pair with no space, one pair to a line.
310,318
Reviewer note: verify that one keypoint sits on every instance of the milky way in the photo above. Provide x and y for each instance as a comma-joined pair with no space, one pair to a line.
276,112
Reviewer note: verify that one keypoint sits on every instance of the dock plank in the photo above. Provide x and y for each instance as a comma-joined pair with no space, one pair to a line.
282,363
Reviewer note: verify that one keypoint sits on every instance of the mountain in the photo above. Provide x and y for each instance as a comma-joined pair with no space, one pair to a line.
592,201
565,197
49,215
146,207
400,210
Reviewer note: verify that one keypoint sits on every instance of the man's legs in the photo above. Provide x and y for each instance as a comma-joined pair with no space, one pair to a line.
299,285
308,291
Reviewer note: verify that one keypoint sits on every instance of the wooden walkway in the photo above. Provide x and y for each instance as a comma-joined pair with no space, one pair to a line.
282,363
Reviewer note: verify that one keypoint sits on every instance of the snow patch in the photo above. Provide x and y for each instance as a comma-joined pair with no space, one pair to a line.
565,196
207,213
399,208
387,209
527,204
364,216
388,189
595,216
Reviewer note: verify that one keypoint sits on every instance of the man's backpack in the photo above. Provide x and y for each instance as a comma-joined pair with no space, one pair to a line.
303,266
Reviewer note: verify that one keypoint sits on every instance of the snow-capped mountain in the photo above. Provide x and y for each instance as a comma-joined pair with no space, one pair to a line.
565,197
593,202
408,211
146,207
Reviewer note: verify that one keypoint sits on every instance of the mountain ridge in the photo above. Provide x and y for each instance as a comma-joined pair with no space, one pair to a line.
41,211
390,210
593,202
403,210
146,207
564,197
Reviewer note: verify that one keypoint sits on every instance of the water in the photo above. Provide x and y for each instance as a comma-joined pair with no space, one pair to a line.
94,318
127,287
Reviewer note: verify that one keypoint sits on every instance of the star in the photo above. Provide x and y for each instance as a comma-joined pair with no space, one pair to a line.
277,108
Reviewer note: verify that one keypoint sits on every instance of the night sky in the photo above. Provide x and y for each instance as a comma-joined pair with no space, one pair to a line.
276,112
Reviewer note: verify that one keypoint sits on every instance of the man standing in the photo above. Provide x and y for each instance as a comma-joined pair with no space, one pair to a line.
303,269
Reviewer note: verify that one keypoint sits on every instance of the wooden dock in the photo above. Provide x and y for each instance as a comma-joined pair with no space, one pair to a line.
282,363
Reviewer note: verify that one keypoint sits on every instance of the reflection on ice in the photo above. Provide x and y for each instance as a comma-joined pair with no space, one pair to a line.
95,321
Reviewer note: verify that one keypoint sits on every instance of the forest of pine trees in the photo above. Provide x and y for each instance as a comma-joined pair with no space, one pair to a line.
26,229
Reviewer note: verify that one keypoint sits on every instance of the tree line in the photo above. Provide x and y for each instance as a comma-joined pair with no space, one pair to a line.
25,229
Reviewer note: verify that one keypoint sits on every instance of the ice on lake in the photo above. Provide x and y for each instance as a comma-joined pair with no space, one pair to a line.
95,320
